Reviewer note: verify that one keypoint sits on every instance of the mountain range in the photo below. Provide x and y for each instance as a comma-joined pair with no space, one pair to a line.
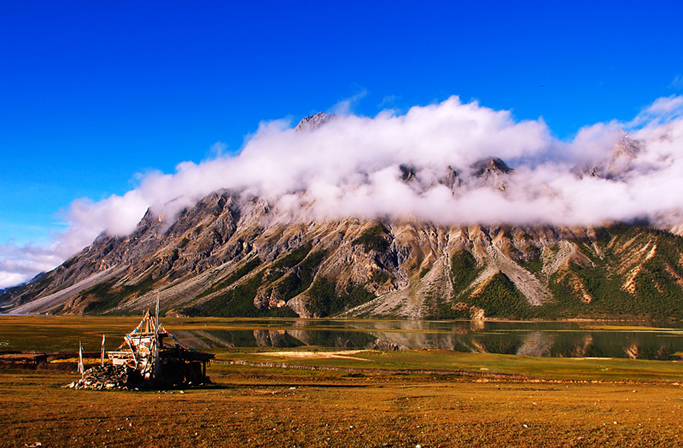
234,254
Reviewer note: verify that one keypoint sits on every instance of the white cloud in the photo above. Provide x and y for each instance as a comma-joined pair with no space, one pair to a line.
678,82
21,263
217,150
388,101
350,167
663,110
345,106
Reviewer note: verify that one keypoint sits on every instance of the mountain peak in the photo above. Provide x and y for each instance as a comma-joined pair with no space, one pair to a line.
490,165
625,151
313,121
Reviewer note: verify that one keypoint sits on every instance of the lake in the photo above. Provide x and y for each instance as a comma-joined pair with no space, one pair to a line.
545,339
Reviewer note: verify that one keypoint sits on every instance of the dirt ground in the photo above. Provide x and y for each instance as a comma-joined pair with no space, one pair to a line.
270,407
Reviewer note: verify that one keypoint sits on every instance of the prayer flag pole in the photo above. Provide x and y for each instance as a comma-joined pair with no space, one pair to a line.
81,368
102,351
156,340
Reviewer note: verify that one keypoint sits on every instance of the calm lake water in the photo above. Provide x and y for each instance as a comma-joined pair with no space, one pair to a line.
558,339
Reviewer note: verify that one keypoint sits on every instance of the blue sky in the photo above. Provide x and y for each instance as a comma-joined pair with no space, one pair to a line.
94,94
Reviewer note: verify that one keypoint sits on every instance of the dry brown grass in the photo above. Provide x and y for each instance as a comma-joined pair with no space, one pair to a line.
274,407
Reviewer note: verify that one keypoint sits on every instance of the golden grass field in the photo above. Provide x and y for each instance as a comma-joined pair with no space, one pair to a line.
276,407
379,400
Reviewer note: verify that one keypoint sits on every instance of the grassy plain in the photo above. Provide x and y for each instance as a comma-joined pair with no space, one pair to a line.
396,399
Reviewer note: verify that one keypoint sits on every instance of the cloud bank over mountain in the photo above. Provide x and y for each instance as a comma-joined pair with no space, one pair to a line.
421,164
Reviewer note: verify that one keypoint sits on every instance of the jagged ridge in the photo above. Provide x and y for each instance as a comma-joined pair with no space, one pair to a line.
234,258
234,255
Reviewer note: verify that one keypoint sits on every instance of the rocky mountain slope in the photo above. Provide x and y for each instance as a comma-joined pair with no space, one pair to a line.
227,259
235,255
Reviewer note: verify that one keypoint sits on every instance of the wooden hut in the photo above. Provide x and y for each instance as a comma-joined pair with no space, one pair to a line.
158,357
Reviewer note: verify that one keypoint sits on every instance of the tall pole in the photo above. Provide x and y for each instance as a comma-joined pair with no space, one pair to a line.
156,340
81,368
102,352
156,321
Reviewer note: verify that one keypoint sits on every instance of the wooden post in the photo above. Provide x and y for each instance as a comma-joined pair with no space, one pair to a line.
102,352
81,367
156,359
135,360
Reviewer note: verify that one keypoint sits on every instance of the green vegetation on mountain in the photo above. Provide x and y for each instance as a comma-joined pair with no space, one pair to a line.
324,301
291,275
237,302
500,298
464,270
298,280
233,277
374,238
105,296
635,272
293,258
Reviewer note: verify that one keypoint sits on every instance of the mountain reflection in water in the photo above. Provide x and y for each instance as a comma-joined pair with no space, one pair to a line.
546,339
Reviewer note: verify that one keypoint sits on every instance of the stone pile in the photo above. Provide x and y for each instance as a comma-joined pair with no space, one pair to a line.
103,378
